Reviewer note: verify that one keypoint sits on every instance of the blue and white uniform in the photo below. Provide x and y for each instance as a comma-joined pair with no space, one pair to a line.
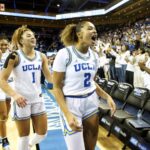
78,88
3,96
27,82
80,70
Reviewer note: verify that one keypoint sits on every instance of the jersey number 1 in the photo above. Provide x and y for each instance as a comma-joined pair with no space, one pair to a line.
33,77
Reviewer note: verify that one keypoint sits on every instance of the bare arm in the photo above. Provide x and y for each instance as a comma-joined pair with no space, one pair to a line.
45,69
4,74
101,93
58,78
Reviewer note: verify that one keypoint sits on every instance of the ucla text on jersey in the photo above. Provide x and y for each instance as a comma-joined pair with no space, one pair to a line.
31,67
84,66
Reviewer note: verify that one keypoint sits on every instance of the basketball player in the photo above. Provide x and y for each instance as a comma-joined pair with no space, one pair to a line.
26,65
76,92
4,100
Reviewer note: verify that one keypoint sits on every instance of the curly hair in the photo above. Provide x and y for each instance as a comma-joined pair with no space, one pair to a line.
17,35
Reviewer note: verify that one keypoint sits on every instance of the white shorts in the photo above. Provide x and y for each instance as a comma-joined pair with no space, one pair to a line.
82,108
33,109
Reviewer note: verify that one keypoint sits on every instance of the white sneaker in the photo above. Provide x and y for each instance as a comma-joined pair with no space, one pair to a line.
5,144
6,148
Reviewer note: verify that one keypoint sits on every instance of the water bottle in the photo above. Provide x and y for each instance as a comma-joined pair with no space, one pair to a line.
139,115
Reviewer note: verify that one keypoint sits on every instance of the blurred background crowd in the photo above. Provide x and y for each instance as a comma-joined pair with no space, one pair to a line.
123,50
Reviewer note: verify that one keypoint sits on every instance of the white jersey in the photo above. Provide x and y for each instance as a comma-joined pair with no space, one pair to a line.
27,77
2,62
3,58
79,68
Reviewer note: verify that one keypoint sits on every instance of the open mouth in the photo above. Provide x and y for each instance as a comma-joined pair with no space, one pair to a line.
94,37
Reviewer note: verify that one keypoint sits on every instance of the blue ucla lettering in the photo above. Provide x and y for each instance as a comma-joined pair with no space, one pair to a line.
77,67
24,68
90,67
83,66
31,67
39,67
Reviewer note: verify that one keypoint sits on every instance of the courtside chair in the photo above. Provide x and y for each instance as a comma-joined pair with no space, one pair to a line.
147,138
133,105
141,123
139,127
109,88
101,82
119,94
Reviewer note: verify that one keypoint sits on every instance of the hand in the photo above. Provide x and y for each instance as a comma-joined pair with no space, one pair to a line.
141,65
20,100
73,122
126,59
112,105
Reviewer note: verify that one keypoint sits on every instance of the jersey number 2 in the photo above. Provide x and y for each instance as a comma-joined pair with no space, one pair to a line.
87,77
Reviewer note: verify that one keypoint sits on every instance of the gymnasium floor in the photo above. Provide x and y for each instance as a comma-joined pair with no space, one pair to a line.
54,140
